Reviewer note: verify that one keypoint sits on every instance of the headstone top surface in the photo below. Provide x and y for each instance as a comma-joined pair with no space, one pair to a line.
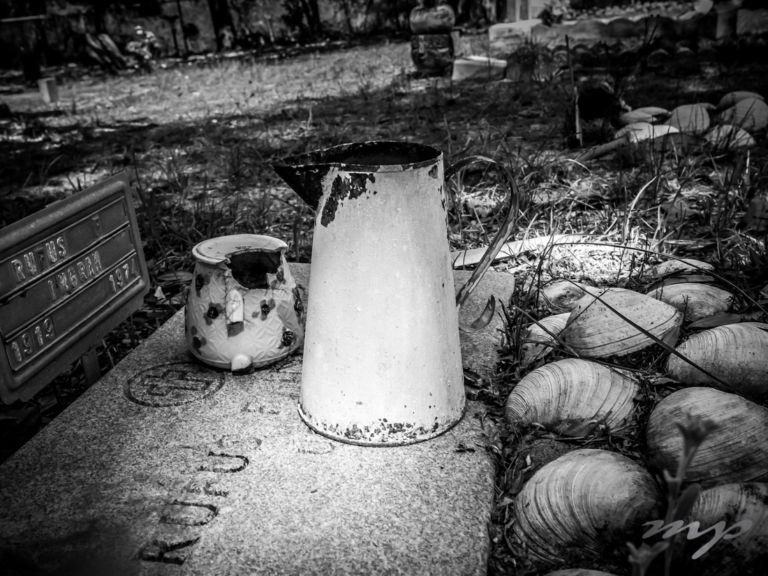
169,467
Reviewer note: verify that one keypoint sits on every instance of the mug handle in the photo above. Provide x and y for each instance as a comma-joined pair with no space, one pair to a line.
507,227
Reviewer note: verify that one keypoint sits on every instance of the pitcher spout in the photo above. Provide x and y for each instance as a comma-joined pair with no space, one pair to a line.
304,173
305,180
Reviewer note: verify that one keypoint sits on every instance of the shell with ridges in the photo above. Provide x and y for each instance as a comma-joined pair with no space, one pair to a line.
692,118
735,451
731,504
573,397
678,266
653,110
682,279
750,114
537,339
647,115
650,132
562,295
736,354
601,325
733,97
729,137
586,503
695,300
637,126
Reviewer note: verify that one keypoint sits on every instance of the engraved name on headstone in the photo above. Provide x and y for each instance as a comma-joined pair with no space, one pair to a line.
172,384
68,275
185,514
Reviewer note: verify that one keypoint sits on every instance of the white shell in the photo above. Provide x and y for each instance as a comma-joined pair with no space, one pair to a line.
647,114
746,544
573,397
690,118
737,354
735,451
733,97
695,300
562,295
653,110
682,279
650,132
538,341
729,137
751,114
633,127
635,117
681,266
602,325
579,502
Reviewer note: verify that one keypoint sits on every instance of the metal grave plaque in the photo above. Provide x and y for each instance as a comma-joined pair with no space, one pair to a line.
68,275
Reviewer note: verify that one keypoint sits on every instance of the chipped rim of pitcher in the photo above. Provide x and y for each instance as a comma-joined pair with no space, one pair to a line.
287,161
221,247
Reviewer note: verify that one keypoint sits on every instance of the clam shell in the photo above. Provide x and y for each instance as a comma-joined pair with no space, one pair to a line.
737,354
647,114
562,295
748,546
650,132
729,137
640,127
733,97
735,451
585,503
682,279
573,397
653,110
681,266
599,325
690,118
694,300
538,342
751,114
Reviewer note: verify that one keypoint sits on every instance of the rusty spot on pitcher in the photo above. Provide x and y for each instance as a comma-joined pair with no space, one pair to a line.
213,312
298,303
442,197
266,306
200,281
288,338
352,187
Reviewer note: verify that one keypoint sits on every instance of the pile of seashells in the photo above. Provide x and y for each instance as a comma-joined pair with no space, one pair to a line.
588,503
726,126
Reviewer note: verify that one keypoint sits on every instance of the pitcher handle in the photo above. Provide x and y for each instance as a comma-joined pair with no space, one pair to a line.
507,227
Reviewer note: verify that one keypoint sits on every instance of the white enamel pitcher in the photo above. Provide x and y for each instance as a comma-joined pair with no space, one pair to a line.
382,359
